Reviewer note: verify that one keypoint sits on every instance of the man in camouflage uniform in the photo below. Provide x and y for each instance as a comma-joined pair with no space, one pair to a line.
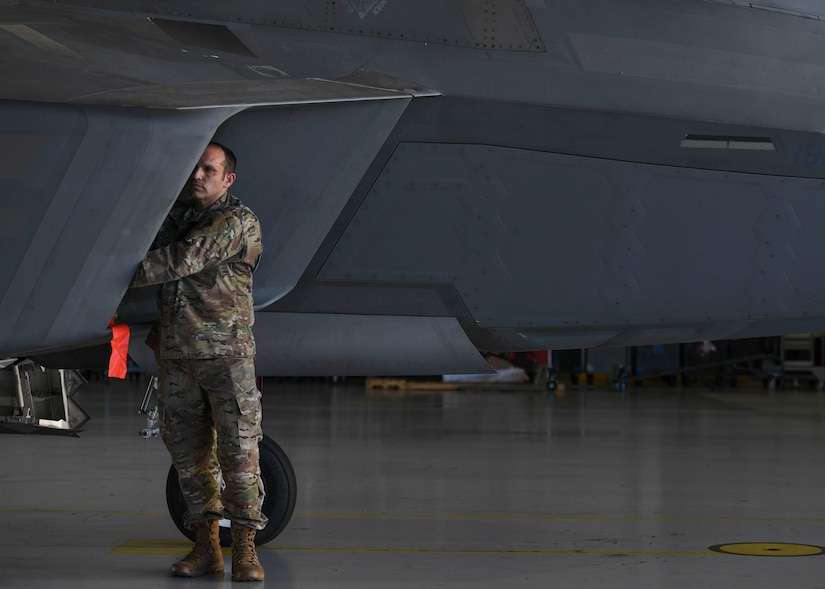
203,259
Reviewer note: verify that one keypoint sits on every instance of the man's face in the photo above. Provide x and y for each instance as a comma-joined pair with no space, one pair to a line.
209,181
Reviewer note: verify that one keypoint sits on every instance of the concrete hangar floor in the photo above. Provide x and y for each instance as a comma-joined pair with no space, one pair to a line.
590,487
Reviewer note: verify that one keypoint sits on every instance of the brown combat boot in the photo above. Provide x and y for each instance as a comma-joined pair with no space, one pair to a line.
206,556
245,564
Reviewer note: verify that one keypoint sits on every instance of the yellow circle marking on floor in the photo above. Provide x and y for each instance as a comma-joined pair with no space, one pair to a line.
769,549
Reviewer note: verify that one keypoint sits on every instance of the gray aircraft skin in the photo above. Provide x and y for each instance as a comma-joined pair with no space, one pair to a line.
434,178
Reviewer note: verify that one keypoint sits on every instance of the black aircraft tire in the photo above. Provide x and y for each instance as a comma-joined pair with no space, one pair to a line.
279,484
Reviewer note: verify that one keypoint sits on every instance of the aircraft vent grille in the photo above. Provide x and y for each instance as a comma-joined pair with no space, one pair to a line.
728,142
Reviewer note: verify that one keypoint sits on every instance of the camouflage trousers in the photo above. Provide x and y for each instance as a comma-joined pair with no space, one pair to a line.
210,421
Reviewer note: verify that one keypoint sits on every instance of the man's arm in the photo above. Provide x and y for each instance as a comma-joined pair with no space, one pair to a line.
203,247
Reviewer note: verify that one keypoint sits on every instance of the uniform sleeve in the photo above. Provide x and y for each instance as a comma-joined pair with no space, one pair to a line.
169,228
207,245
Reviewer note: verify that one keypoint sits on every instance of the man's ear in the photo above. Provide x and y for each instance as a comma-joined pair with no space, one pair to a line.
229,180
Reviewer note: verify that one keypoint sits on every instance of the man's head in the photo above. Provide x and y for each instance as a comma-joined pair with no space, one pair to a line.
213,175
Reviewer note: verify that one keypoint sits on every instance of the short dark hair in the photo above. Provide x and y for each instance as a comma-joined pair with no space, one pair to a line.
230,161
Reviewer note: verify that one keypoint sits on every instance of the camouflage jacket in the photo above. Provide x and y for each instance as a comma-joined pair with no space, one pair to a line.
203,262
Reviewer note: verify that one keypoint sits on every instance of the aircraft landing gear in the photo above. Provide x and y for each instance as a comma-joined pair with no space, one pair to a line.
277,475
279,484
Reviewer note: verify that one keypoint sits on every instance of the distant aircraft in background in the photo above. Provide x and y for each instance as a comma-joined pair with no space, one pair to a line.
435,178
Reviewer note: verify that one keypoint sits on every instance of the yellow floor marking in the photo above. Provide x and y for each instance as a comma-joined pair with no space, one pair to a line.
502,551
156,548
768,549
181,547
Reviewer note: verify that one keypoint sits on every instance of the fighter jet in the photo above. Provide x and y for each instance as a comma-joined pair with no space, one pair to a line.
436,179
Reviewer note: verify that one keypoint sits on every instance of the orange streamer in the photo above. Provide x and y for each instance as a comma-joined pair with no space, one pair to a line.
120,349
